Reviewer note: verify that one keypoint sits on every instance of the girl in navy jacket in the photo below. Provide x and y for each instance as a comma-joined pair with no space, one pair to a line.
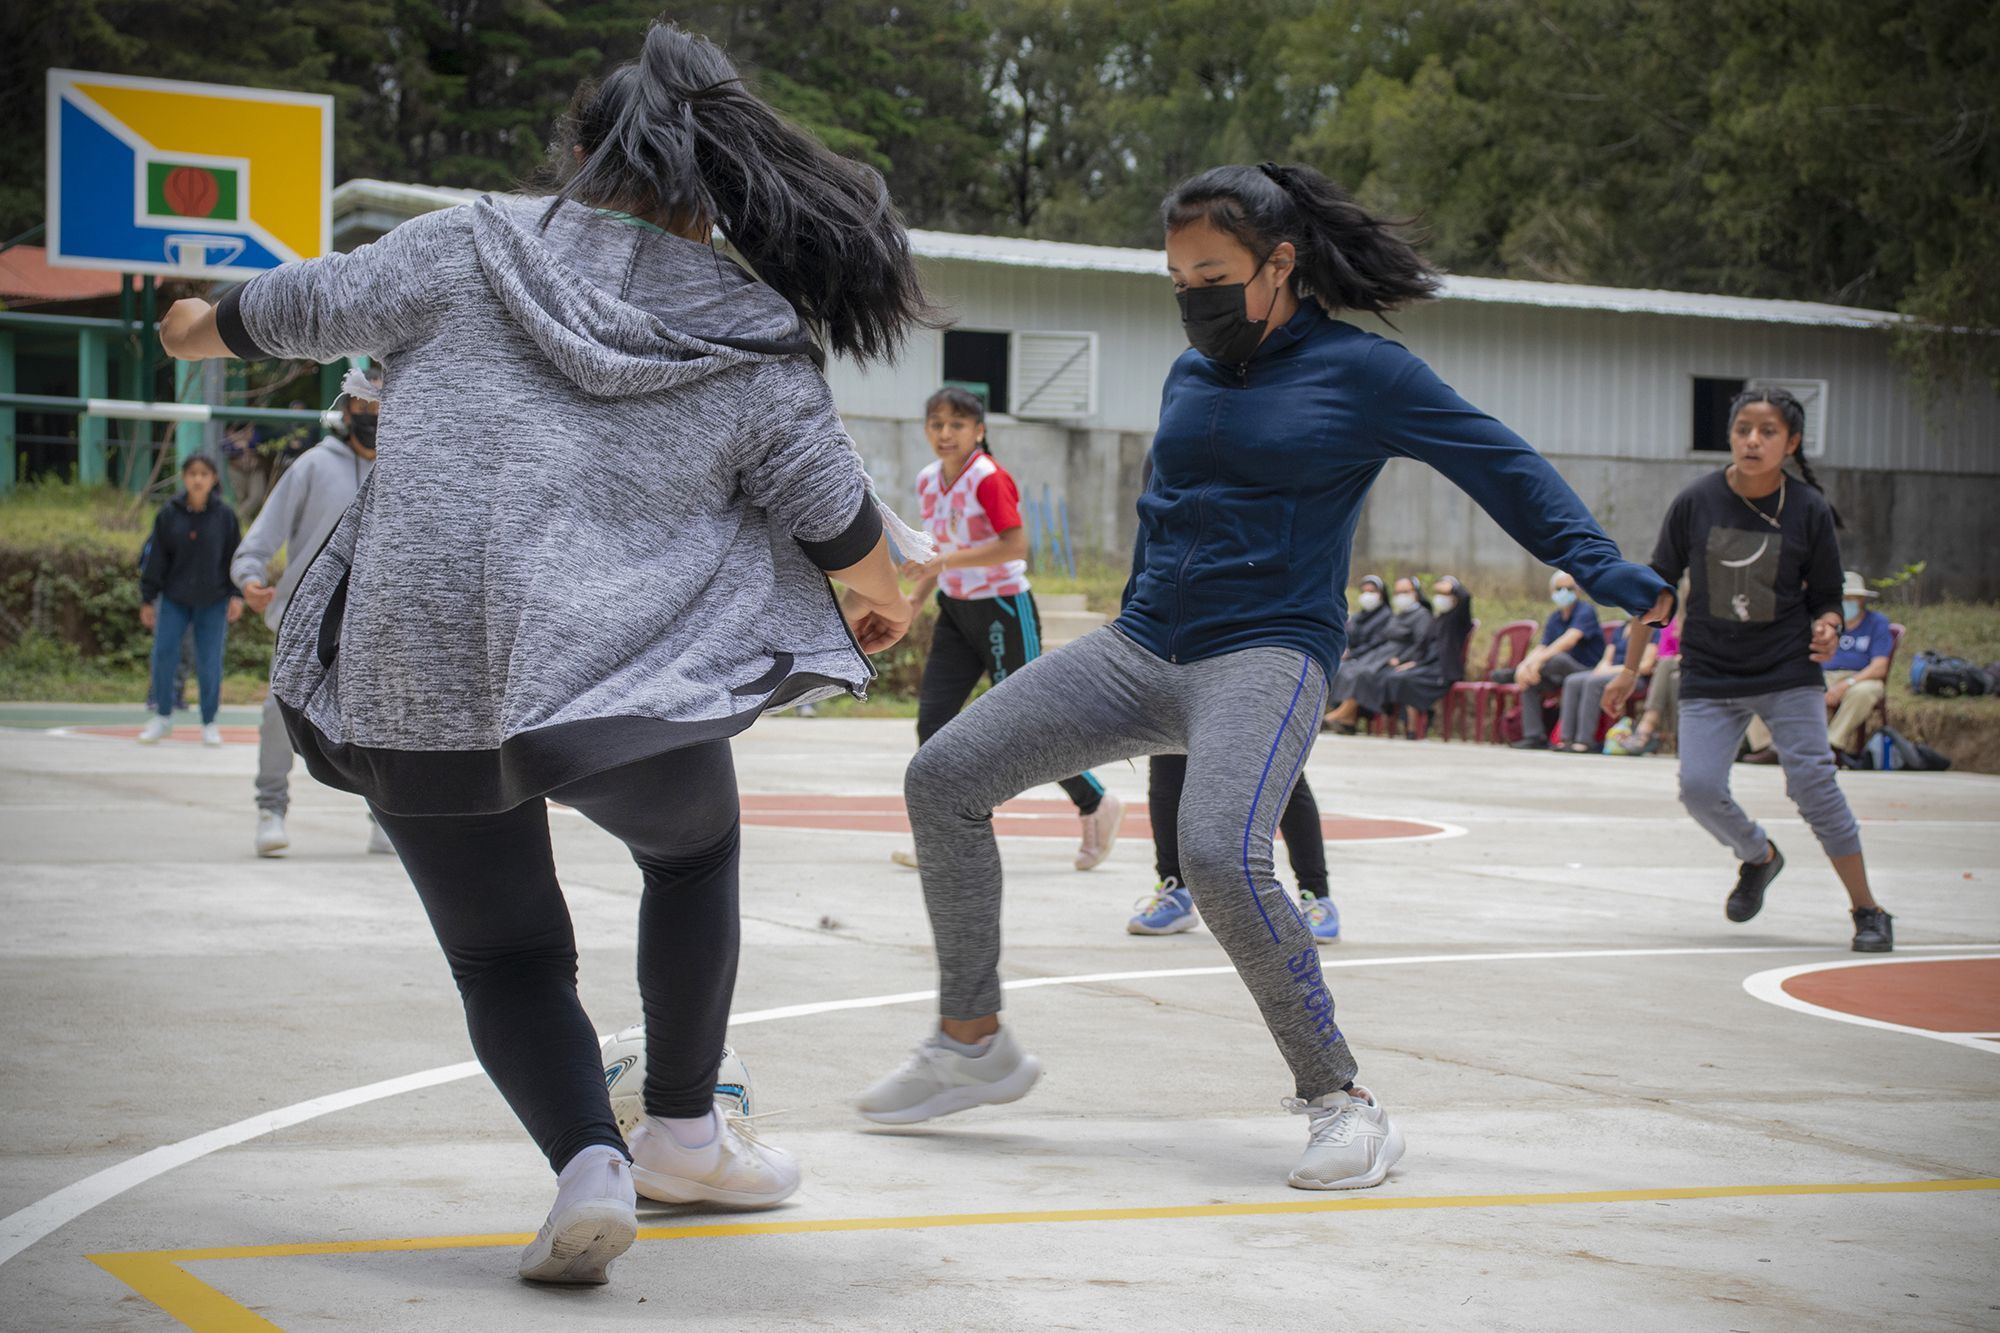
1273,426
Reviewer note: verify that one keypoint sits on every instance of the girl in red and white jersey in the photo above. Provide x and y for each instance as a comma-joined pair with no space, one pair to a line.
987,623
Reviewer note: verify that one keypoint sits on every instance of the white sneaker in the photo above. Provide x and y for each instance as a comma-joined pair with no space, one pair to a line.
271,837
1100,831
594,1220
906,859
937,1080
157,729
378,841
211,734
1351,1145
734,1167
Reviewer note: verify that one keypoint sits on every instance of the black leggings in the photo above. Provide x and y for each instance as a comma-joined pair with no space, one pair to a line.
1167,775
985,636
488,883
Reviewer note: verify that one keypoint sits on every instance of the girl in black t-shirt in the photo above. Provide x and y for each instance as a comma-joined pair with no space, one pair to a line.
1763,610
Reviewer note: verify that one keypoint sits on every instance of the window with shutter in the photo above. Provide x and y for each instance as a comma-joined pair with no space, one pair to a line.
1812,397
1053,375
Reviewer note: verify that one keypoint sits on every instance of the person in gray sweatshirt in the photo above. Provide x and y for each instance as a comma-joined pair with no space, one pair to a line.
297,518
596,544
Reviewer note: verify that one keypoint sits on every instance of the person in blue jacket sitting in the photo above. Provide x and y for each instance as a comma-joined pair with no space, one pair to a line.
1572,641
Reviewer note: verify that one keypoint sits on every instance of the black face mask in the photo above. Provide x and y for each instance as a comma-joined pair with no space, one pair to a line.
1217,321
361,430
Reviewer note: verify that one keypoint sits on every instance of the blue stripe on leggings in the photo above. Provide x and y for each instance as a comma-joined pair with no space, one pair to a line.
1250,824
1031,633
1318,708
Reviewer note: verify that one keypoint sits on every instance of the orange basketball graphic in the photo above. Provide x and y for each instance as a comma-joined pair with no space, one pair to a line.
191,191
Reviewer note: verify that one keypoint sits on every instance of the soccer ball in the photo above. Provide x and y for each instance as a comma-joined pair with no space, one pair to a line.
625,1078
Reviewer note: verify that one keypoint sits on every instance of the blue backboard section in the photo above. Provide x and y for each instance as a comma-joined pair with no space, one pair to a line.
99,211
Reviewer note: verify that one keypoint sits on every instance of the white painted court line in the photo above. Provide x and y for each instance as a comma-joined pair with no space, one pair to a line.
1770,988
25,1227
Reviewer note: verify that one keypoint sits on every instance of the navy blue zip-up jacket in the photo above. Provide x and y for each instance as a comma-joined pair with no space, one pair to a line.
1259,472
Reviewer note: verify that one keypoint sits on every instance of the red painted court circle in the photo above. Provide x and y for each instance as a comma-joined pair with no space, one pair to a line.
1026,818
1960,995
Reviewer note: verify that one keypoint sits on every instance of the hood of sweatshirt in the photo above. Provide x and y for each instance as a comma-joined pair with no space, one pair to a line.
623,309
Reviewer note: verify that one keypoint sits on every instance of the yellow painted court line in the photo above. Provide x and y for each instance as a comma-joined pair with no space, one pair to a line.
161,1280
158,1276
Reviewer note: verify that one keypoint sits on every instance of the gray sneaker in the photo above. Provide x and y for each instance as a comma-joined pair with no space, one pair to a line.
271,837
937,1080
1350,1145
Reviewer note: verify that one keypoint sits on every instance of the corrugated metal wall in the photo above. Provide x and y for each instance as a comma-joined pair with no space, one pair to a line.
1573,382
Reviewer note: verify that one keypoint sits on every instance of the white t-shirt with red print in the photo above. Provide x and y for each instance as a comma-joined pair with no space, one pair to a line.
980,504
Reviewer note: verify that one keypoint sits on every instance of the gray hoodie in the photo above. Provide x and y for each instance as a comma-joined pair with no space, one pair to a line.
608,480
302,509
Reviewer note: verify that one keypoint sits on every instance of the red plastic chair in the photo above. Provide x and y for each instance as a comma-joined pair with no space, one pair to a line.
1509,646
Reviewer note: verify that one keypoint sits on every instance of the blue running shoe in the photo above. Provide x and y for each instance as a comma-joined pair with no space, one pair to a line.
1323,919
1168,910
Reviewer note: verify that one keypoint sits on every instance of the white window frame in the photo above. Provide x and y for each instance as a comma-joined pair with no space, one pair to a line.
1014,386
1808,392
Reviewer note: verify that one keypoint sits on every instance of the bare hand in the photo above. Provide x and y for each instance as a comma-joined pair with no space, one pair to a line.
1825,639
1619,693
181,329
876,625
1529,672
1835,693
259,595
235,612
149,615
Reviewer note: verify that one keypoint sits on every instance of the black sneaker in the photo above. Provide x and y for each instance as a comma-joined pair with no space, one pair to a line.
1751,881
1873,930
1528,743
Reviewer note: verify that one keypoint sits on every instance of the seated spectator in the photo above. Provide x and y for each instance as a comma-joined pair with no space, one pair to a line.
1370,618
1360,687
1440,660
1572,641
1583,693
1663,698
1856,674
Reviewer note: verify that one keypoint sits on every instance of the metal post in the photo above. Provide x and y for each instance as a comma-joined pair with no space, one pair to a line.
188,435
93,373
9,462
143,344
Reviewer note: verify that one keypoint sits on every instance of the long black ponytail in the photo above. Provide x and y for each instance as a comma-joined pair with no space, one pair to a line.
1348,258
1793,412
675,134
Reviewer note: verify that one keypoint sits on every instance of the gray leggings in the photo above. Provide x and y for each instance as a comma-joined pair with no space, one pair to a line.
1245,720
1711,730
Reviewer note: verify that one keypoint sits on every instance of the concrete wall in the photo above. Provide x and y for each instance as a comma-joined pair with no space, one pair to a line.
1417,520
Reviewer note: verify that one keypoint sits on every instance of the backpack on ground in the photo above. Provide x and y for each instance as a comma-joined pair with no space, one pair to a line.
1891,751
1947,677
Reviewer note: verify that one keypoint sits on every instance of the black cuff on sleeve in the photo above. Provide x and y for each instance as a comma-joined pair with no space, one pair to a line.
850,546
229,323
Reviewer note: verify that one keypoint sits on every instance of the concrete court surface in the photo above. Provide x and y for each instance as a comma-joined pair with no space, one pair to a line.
1605,1127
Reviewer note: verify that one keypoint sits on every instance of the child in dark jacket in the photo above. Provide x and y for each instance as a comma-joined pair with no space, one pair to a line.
185,582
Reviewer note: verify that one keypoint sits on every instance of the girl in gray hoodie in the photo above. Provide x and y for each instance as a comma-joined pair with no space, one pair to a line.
596,544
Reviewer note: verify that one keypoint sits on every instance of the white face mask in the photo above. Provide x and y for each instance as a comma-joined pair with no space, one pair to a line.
1370,600
1443,602
1403,601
